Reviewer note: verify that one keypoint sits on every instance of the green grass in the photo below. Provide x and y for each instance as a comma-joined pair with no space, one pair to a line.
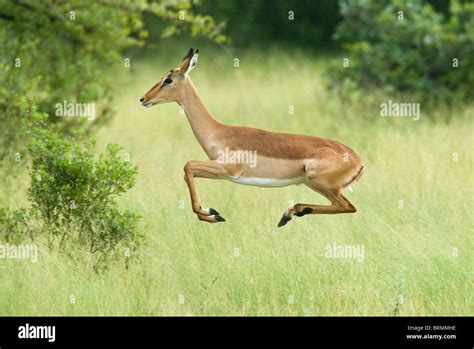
248,266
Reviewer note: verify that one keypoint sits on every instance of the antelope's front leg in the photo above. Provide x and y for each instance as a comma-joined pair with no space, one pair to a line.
203,169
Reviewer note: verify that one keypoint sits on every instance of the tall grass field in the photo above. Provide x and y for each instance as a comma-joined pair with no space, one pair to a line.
414,220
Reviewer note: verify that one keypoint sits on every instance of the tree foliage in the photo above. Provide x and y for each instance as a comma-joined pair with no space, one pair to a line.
407,46
291,23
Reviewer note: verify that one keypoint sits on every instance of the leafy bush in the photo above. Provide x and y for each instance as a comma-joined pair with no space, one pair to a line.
411,51
16,227
73,194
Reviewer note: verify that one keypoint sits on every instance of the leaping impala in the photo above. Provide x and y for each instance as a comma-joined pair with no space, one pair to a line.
324,165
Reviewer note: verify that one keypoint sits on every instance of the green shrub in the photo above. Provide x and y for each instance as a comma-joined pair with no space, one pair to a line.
16,227
414,54
73,195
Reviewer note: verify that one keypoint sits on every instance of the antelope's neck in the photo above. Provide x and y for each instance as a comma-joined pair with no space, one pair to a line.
202,123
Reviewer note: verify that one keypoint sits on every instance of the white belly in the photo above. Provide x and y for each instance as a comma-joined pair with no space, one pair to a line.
265,182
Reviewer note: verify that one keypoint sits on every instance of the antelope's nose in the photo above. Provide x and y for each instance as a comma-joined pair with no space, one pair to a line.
142,99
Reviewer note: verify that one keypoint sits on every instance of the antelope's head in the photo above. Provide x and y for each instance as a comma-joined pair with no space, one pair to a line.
168,88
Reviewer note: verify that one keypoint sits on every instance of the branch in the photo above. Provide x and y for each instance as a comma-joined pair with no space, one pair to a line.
6,17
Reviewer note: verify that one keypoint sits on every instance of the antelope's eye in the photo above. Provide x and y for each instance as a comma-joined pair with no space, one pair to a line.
167,81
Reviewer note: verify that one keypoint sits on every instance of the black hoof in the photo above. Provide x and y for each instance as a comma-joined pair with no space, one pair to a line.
284,219
212,211
219,218
306,210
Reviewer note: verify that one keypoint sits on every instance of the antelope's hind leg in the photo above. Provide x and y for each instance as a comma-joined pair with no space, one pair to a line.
339,204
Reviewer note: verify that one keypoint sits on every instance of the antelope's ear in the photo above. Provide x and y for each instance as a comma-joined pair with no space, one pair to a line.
189,62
